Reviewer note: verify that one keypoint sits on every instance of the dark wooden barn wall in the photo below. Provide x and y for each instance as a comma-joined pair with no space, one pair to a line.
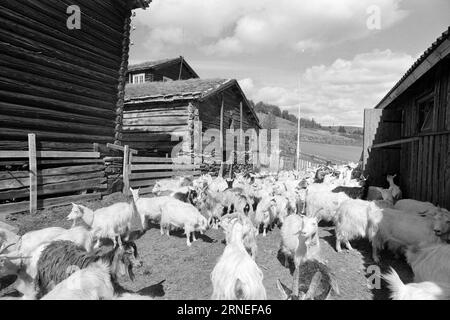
425,168
60,84
147,127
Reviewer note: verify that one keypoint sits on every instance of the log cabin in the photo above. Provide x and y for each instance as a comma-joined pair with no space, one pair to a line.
408,132
156,113
161,70
65,85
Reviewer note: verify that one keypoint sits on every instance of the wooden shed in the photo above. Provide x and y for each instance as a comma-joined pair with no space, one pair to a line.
65,85
155,112
161,70
408,132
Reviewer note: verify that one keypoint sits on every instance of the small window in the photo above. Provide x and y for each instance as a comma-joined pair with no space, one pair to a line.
166,79
426,114
139,78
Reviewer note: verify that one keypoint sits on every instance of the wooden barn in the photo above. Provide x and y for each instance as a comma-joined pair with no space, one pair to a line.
156,112
66,86
408,132
161,70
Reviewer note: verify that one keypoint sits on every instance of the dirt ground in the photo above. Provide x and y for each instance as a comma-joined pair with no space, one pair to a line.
174,271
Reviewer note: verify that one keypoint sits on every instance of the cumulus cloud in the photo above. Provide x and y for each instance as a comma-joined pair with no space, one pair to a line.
234,27
338,93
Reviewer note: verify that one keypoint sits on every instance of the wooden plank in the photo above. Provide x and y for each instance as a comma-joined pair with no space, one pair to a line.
393,143
221,140
436,164
49,154
42,180
52,172
126,170
447,176
164,167
419,170
430,169
56,188
119,148
166,174
151,160
423,194
444,161
17,207
413,172
149,182
33,172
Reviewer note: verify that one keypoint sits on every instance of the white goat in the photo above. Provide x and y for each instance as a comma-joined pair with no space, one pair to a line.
149,209
182,215
322,203
300,242
430,263
110,222
393,188
265,214
416,207
416,291
236,276
353,221
91,283
399,229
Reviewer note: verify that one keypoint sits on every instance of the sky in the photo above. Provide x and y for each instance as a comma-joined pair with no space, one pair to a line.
333,58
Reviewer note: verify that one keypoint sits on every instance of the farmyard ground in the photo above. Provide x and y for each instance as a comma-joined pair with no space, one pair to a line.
174,271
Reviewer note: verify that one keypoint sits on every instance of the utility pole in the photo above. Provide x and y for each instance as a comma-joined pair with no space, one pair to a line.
298,131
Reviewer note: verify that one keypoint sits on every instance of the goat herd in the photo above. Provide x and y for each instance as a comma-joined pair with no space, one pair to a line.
58,263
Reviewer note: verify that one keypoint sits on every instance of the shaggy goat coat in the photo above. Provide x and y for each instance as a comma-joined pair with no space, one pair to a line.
431,263
416,291
236,275
92,283
59,259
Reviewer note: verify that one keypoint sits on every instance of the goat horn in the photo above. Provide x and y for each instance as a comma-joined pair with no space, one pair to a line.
3,248
315,282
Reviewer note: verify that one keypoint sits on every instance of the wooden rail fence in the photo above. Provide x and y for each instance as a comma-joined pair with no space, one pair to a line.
143,172
34,179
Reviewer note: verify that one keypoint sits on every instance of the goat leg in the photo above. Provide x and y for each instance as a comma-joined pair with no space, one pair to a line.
296,280
348,245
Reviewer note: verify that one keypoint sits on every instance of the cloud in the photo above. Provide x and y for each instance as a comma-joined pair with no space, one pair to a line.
338,93
236,27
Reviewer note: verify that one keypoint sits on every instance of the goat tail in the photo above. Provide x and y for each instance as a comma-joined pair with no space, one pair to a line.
395,284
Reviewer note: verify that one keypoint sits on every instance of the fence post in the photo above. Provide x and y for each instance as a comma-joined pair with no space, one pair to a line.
33,172
126,177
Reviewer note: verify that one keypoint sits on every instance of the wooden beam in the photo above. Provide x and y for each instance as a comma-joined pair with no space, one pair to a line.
119,148
49,154
151,160
126,178
393,143
164,167
33,172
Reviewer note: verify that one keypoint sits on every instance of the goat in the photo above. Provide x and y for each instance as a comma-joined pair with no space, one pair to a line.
353,221
393,188
110,222
249,234
416,207
52,263
182,215
78,235
399,229
416,291
265,214
91,283
300,242
317,282
149,209
322,203
430,262
236,276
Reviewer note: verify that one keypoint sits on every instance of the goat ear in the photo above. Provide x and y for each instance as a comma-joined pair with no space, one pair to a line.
284,291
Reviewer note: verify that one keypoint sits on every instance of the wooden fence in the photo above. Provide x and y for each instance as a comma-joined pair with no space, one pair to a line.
34,179
143,172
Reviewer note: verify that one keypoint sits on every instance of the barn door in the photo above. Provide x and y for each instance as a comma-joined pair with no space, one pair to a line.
380,126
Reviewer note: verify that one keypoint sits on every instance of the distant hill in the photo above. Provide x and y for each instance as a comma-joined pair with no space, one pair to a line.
326,135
